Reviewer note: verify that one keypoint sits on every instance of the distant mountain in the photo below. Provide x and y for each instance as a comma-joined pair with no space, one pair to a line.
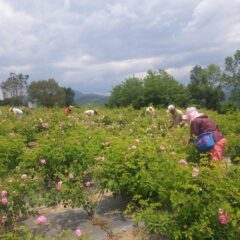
90,99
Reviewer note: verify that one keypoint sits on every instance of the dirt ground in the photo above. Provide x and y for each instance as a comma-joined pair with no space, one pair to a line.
129,234
109,218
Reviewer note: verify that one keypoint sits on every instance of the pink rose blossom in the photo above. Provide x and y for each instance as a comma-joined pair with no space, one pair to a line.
59,185
137,141
23,176
4,219
4,201
4,193
78,233
195,172
223,218
183,162
45,125
41,219
70,176
42,161
162,148
88,184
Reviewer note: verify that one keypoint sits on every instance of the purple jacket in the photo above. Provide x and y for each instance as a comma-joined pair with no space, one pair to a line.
204,124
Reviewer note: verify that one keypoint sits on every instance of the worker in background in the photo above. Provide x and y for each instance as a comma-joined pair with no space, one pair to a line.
68,110
177,117
18,112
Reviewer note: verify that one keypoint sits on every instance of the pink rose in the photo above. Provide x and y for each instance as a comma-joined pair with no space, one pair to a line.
195,172
59,185
70,176
137,141
4,193
183,162
4,219
4,201
45,125
162,148
23,176
42,161
88,184
78,233
223,218
41,219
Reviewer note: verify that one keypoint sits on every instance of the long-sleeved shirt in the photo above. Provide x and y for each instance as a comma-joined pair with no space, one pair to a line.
177,118
204,124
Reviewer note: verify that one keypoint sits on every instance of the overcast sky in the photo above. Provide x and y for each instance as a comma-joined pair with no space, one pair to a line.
94,45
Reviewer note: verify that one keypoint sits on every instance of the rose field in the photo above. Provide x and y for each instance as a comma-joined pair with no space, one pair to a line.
50,159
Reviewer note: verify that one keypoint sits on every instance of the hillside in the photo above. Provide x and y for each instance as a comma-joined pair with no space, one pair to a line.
90,99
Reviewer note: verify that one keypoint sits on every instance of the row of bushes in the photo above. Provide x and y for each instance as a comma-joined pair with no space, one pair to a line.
48,158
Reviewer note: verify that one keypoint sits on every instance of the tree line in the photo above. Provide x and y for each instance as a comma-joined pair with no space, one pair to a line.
209,87
16,91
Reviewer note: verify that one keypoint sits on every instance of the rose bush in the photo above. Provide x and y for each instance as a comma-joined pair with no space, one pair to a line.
47,158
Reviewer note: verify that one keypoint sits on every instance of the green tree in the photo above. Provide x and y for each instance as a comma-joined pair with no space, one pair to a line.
160,88
232,76
205,86
69,96
48,92
14,88
129,92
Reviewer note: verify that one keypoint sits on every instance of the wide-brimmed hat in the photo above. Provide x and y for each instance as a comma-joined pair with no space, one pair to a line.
191,113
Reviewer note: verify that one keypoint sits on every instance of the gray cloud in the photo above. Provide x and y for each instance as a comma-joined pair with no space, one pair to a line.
93,45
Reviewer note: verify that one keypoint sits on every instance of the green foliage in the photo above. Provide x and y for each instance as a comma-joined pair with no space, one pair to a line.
205,86
157,88
14,88
160,88
22,233
69,96
227,106
124,152
127,93
232,76
48,92
208,88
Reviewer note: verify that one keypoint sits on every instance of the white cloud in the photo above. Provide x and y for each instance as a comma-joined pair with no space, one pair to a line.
233,35
17,68
214,18
67,4
92,45
75,62
181,73
17,38
140,75
127,64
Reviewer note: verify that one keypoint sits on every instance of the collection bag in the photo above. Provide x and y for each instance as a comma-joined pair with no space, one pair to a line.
204,142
